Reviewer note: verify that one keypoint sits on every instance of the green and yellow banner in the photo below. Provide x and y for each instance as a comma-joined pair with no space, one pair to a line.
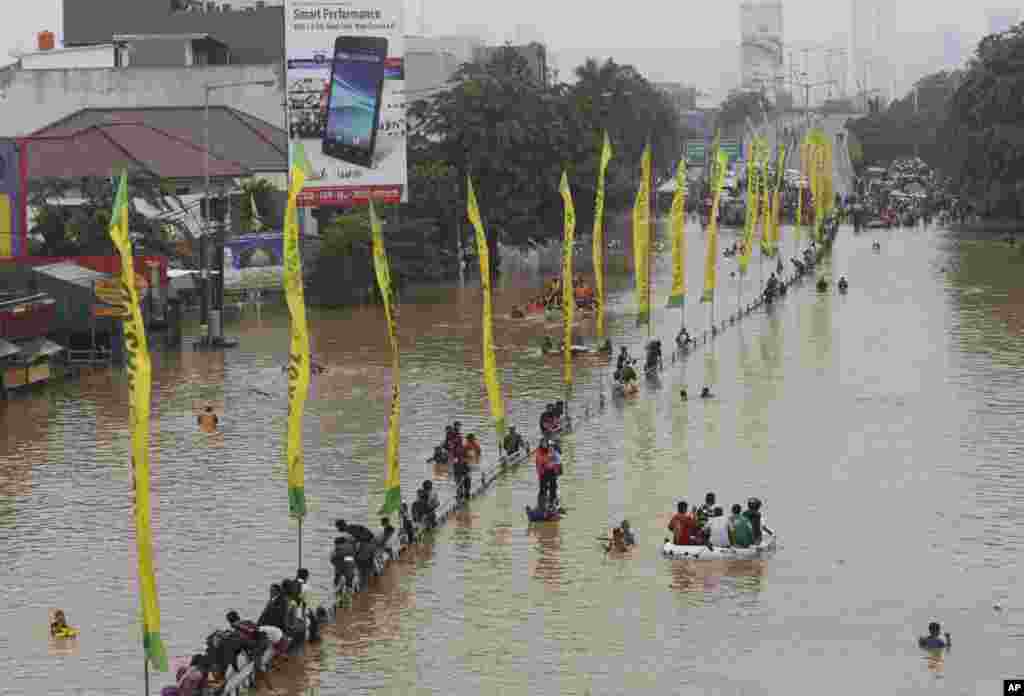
568,291
711,254
298,358
642,239
392,488
140,385
766,209
753,204
677,297
490,363
598,251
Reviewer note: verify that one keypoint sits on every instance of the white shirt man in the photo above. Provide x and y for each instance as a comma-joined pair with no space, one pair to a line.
718,526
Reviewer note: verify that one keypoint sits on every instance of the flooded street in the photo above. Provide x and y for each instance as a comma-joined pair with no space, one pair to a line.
881,428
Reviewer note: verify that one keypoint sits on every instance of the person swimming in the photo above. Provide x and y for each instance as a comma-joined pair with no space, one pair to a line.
932,641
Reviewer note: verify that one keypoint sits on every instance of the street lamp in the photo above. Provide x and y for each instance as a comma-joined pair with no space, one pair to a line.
203,248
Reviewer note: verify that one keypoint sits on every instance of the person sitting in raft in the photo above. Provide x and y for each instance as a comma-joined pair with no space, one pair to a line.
627,375
208,420
59,626
513,442
843,285
517,313
684,527
706,511
753,515
932,640
618,542
472,449
705,393
717,531
740,533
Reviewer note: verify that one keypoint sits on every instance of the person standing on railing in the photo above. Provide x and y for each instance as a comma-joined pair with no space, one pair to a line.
513,442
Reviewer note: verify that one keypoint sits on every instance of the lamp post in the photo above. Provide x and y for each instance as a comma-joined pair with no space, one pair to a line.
204,252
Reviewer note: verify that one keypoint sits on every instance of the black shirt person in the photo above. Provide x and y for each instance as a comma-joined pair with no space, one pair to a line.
932,640
513,441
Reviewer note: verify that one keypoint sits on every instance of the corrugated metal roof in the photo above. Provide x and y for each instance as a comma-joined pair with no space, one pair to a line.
38,348
234,135
103,150
72,273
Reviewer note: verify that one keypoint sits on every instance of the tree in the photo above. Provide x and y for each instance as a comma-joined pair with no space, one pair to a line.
740,107
983,129
85,229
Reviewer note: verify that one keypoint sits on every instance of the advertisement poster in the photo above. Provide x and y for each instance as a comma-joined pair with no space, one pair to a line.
254,261
346,99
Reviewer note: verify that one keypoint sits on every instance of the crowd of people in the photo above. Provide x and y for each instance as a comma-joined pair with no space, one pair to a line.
708,525
286,621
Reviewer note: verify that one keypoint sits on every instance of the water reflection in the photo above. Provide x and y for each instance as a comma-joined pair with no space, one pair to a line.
699,581
546,562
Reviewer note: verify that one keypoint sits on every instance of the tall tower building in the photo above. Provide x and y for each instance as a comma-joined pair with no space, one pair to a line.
761,45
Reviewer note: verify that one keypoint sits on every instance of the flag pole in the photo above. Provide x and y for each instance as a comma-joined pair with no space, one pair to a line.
300,543
652,226
145,673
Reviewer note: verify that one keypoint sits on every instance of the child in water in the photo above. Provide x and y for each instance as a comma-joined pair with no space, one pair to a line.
59,626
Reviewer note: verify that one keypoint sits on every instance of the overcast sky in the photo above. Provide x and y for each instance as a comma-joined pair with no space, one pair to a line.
671,41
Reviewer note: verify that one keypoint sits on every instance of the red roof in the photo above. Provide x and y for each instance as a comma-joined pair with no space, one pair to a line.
104,150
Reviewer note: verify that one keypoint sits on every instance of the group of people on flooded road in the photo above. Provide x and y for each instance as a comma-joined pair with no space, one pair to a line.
461,453
551,298
708,525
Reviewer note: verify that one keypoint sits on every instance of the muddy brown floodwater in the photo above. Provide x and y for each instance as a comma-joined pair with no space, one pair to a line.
882,428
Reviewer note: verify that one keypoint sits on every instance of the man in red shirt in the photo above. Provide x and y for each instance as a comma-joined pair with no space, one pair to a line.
547,474
683,526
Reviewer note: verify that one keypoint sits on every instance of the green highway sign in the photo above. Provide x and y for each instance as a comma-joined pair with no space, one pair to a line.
696,151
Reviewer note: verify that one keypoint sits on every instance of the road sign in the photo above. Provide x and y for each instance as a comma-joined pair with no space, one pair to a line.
696,151
733,149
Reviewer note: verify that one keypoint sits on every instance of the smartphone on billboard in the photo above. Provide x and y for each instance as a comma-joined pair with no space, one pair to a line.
354,98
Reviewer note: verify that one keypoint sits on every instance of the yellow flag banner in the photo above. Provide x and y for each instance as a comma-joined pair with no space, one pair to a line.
598,250
711,255
140,384
392,489
490,363
753,203
777,201
298,359
568,291
642,239
677,298
766,212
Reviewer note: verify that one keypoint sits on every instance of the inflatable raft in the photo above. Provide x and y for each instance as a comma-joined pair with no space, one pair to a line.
704,553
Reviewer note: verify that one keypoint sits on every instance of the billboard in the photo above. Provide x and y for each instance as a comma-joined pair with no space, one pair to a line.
346,98
761,43
254,261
